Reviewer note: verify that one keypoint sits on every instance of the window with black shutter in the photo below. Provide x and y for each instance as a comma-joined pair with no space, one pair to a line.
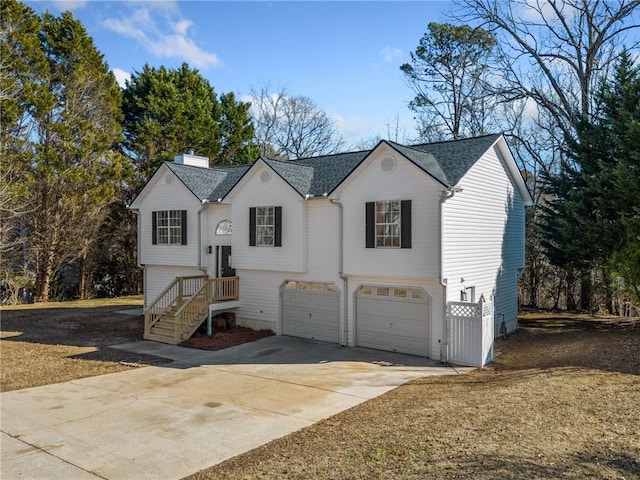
265,226
169,227
388,224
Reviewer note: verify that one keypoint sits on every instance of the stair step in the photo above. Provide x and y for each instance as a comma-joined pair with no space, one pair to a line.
164,323
160,338
167,332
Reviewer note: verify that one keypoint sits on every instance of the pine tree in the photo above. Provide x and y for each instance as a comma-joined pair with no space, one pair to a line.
595,199
170,111
66,126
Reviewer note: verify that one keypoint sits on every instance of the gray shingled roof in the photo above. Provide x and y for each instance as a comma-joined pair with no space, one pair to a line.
447,162
208,183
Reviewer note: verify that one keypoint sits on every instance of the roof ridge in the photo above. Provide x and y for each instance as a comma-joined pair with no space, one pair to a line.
452,140
350,152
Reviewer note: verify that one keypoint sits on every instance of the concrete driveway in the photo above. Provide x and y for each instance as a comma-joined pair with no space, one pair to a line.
166,422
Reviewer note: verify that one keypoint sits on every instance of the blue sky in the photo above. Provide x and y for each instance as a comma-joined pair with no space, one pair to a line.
345,56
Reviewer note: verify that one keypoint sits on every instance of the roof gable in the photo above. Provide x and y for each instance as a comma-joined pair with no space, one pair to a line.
446,162
208,183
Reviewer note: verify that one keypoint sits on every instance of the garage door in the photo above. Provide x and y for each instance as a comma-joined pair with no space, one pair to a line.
311,310
393,318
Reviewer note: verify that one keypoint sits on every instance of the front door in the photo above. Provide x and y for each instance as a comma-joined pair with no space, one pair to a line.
225,262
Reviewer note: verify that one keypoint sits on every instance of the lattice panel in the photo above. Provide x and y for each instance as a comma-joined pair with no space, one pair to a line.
468,310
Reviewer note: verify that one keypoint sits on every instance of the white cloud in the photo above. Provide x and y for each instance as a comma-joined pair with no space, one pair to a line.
121,76
351,127
543,10
163,35
181,27
390,53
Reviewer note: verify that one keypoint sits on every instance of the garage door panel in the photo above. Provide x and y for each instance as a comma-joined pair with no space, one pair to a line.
386,322
311,314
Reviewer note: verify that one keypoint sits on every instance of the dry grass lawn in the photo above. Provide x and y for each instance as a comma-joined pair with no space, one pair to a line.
562,400
56,342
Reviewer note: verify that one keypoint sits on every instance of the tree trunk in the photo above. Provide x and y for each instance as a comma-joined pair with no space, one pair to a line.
84,276
585,291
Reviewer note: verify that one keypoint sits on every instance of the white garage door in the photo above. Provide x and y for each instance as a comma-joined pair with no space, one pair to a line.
393,318
311,310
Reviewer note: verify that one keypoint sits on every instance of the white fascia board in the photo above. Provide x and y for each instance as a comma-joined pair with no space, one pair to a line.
527,199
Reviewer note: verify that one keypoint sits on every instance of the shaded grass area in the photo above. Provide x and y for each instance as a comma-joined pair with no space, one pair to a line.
55,342
562,400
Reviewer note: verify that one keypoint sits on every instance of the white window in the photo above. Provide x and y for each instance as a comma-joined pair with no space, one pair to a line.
388,223
169,227
224,228
265,225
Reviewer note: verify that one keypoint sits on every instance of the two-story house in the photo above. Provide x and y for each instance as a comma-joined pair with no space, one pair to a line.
382,248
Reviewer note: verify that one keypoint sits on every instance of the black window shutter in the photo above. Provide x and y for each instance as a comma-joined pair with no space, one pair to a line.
370,224
252,226
154,228
183,224
405,228
277,230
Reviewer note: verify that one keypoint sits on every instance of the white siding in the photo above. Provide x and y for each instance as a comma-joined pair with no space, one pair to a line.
323,227
483,243
405,182
291,257
168,196
260,291
214,215
158,277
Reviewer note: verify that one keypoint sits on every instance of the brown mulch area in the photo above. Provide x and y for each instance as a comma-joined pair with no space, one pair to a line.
229,338
561,400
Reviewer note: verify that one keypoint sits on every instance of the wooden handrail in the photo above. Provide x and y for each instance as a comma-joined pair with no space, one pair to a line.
192,295
174,293
225,288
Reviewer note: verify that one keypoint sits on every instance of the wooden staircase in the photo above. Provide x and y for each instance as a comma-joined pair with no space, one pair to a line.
182,307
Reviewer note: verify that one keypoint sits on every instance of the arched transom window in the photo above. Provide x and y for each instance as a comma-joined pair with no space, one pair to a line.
224,228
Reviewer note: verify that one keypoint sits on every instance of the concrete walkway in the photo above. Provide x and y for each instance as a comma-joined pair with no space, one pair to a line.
168,421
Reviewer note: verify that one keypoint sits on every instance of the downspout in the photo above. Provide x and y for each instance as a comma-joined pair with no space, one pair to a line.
345,281
205,204
444,345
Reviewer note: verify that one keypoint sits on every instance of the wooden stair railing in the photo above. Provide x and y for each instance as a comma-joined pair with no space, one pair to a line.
175,293
181,319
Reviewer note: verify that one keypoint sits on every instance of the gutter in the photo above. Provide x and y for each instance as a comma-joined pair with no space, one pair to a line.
345,280
444,345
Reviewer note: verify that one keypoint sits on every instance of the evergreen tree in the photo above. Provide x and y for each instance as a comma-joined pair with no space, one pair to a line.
167,112
595,199
64,125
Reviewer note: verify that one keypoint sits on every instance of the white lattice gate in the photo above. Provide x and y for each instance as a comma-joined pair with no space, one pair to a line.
470,333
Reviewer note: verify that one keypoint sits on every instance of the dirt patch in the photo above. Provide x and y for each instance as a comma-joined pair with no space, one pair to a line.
562,400
58,342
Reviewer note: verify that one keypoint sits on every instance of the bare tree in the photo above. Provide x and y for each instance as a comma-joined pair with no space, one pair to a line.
289,127
555,52
449,72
